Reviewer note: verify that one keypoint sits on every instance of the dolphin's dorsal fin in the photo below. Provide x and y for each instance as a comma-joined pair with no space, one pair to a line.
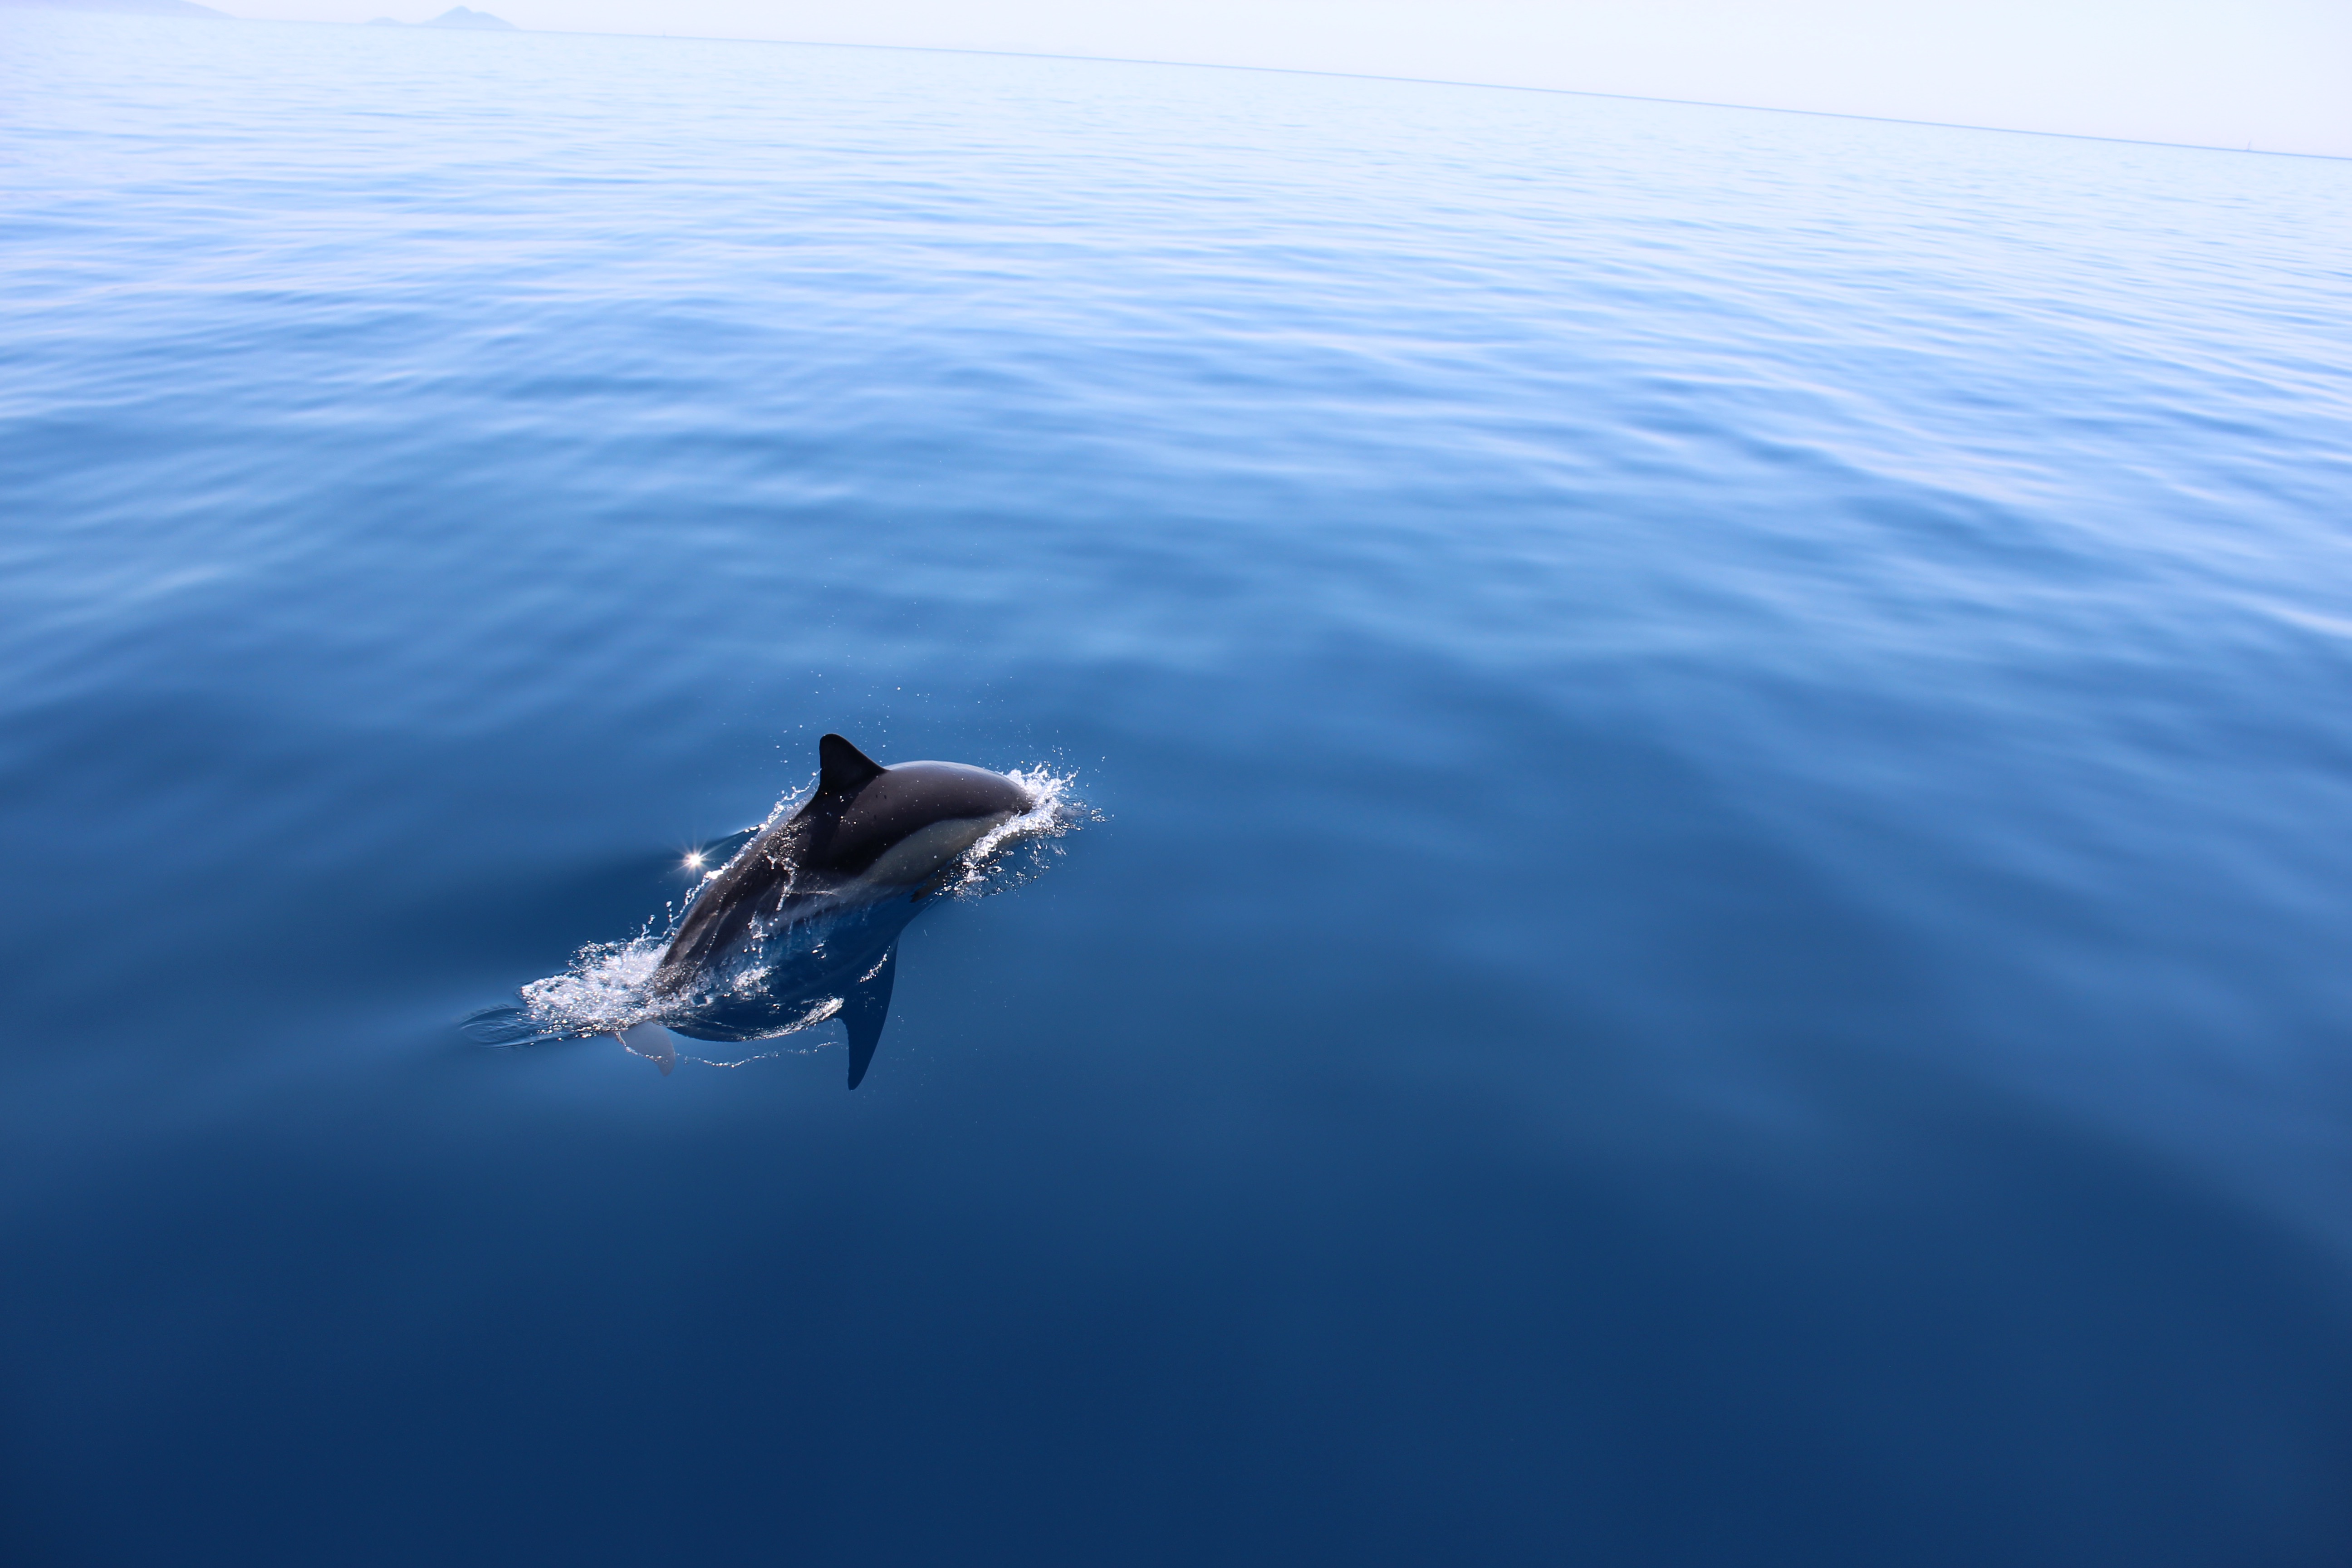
864,1010
842,768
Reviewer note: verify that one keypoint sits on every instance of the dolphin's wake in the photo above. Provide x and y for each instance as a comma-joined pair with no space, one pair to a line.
800,921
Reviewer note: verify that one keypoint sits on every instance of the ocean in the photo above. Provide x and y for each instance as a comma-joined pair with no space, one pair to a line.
1711,923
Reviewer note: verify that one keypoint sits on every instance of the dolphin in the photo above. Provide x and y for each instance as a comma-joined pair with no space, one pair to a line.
807,914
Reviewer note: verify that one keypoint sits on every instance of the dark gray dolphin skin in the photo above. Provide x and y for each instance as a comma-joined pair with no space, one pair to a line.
859,855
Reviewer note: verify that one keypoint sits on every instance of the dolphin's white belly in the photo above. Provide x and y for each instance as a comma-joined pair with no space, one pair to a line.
922,852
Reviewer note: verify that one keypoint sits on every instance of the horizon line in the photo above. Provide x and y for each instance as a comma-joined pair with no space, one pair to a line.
2248,151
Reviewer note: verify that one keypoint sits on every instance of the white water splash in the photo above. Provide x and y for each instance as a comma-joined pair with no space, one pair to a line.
606,990
996,863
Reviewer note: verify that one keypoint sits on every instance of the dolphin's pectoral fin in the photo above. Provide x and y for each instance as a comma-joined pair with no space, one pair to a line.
652,1042
864,1010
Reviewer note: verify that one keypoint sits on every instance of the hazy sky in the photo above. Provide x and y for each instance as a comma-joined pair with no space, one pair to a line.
2275,73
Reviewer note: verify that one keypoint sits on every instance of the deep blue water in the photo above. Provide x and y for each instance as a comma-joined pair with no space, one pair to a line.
1720,935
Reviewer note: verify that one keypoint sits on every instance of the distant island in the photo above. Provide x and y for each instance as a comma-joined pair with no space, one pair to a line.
455,16
127,8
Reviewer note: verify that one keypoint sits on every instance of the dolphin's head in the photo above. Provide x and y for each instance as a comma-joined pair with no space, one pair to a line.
898,827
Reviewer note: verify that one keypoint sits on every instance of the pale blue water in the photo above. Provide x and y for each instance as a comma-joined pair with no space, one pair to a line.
1721,933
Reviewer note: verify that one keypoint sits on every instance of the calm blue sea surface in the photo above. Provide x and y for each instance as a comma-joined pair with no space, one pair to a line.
1722,929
